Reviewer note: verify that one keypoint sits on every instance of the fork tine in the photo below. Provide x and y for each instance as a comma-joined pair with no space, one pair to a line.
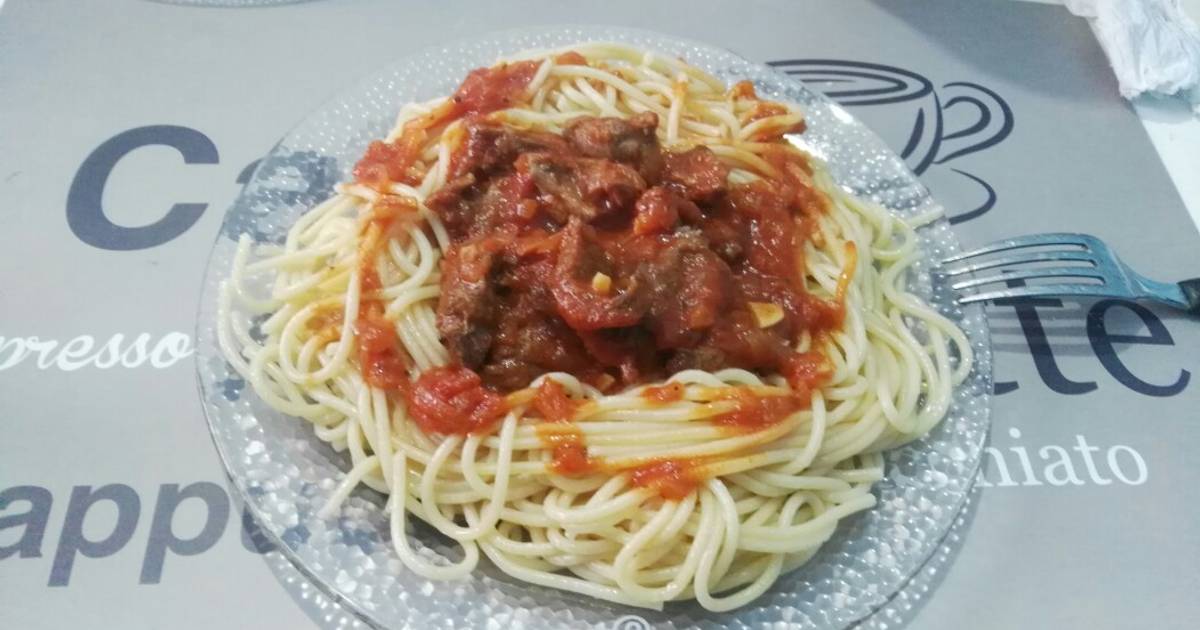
1044,290
1020,259
1026,274
1032,240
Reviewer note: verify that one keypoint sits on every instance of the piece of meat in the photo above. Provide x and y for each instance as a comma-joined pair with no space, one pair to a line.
582,187
468,302
703,292
735,341
580,258
745,345
507,202
659,209
452,204
754,286
557,191
729,239
500,175
632,141
488,146
529,343
629,349
705,358
771,247
697,172
690,286
611,187
469,210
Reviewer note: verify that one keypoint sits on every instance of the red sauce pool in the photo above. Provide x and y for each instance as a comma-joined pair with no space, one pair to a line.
553,403
673,479
452,400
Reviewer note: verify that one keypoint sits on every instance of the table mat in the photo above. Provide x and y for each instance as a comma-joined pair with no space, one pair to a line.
126,128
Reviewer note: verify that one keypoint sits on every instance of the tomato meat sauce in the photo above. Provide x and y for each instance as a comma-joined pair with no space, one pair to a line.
599,253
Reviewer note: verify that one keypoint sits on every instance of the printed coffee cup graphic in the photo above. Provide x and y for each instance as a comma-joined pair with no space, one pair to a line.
942,125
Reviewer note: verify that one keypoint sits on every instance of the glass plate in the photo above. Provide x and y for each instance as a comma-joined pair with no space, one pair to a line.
286,474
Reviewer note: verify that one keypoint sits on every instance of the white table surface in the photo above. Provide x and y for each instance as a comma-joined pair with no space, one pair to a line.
1175,132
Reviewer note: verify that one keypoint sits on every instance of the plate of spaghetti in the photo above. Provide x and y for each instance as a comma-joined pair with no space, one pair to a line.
588,327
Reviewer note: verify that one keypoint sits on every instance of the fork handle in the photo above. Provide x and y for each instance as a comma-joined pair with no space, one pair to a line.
1191,293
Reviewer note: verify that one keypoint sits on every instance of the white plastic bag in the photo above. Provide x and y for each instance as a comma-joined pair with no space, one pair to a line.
1152,44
